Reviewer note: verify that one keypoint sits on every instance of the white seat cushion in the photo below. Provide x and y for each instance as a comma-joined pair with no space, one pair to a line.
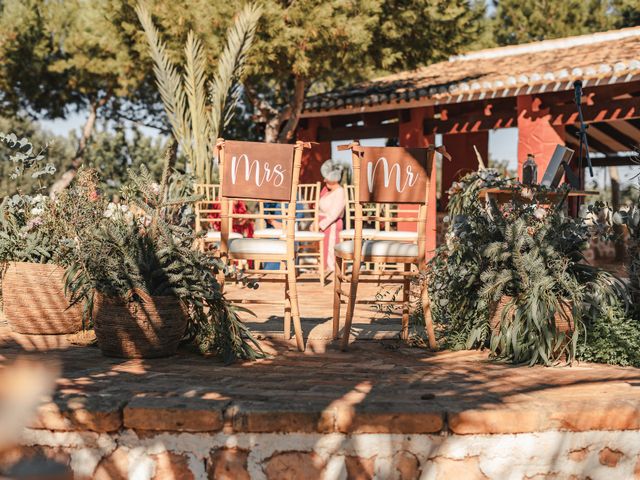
350,232
304,235
215,236
397,236
267,233
257,246
381,248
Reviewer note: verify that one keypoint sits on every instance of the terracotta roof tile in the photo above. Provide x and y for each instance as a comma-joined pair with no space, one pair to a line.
506,71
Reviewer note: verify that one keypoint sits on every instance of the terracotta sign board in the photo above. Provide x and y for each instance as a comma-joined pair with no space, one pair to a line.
263,171
393,174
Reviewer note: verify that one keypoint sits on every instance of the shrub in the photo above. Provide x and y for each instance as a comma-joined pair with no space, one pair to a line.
526,249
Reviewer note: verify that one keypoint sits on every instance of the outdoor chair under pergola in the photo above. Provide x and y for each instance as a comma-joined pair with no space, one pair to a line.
263,172
411,168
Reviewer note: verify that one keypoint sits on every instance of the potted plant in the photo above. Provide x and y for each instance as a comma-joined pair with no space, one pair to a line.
32,277
512,276
145,285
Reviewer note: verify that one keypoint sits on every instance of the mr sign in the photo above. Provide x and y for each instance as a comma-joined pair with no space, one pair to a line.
262,171
393,174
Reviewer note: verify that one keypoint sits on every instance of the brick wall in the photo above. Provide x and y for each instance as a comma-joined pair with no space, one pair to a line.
182,455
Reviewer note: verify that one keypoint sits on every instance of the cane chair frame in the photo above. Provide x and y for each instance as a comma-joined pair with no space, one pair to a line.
210,193
403,277
308,205
287,272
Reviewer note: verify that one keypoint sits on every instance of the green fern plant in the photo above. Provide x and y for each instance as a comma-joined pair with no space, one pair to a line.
146,244
524,252
195,122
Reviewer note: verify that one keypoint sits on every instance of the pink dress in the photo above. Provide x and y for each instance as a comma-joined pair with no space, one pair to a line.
331,210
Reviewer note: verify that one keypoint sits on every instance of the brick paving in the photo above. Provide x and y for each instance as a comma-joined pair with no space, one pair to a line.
375,387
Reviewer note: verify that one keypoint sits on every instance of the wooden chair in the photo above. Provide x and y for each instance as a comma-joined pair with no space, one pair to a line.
208,212
263,172
398,211
413,166
309,240
350,213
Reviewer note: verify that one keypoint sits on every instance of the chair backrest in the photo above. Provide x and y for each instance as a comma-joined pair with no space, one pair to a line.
208,209
262,172
307,207
392,176
369,209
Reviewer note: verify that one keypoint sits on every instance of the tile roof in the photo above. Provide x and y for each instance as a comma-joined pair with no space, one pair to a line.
550,65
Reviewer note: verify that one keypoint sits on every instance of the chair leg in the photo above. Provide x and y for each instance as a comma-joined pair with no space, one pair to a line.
428,320
321,261
287,310
406,291
351,303
337,288
293,296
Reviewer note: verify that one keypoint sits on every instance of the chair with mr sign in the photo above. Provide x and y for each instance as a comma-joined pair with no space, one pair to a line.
385,175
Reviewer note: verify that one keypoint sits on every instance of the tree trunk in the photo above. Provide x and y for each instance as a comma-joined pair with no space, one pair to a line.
615,205
289,130
271,129
67,177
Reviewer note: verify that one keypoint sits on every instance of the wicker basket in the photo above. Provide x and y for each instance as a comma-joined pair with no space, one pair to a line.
150,328
34,302
564,321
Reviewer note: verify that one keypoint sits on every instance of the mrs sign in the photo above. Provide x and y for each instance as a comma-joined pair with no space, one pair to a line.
258,170
393,174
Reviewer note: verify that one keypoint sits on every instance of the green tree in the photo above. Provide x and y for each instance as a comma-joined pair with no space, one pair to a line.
310,46
196,121
626,13
113,152
59,153
65,56
522,21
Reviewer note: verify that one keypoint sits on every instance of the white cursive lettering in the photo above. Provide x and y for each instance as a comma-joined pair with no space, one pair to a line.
264,174
410,180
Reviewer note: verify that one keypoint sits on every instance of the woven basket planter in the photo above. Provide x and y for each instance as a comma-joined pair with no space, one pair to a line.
564,321
33,300
150,328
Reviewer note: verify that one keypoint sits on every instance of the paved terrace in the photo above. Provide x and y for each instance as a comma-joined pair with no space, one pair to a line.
381,410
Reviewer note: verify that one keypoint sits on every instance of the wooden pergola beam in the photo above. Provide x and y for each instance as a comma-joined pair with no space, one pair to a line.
614,137
623,109
388,130
593,143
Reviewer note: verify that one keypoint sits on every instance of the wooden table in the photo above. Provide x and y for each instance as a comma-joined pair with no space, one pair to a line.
503,195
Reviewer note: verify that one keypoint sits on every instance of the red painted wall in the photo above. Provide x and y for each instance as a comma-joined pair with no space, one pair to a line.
314,157
463,159
536,135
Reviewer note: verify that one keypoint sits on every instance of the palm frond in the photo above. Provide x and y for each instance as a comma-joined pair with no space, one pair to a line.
168,81
194,85
225,88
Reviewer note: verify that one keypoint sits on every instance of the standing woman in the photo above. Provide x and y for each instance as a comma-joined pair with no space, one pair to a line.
331,209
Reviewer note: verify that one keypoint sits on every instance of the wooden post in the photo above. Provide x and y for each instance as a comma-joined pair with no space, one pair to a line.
291,256
357,248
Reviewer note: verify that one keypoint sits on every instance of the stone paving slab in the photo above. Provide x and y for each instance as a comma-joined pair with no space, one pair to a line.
374,388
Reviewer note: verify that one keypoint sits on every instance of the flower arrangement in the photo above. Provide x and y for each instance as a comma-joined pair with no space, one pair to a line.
22,235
